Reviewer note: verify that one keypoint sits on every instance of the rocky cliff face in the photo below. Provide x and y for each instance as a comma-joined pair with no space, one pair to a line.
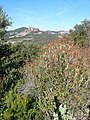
21,32
30,29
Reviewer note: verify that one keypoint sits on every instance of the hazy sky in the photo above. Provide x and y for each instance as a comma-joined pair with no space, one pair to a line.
46,14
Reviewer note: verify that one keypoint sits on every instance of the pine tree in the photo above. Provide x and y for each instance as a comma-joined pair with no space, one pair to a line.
5,21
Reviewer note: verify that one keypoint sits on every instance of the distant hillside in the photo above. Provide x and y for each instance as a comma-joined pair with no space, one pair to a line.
20,29
33,34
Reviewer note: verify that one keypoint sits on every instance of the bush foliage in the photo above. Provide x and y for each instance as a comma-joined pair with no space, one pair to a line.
62,71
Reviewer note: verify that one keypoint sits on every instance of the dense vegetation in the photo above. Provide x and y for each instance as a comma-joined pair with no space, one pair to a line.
46,82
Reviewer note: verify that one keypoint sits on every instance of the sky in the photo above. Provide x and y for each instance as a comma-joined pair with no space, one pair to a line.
46,14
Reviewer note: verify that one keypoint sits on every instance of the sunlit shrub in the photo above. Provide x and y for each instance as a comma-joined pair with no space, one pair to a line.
61,71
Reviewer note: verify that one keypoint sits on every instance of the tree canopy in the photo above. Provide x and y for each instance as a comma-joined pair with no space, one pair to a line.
5,21
80,33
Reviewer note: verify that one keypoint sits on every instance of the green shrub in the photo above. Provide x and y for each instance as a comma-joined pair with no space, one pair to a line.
12,61
19,108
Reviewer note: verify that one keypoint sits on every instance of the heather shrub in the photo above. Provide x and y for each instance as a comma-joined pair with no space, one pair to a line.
62,71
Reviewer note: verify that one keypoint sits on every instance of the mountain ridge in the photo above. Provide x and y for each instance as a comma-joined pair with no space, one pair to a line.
33,34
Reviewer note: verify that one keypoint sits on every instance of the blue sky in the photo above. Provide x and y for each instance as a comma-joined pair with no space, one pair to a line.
46,14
